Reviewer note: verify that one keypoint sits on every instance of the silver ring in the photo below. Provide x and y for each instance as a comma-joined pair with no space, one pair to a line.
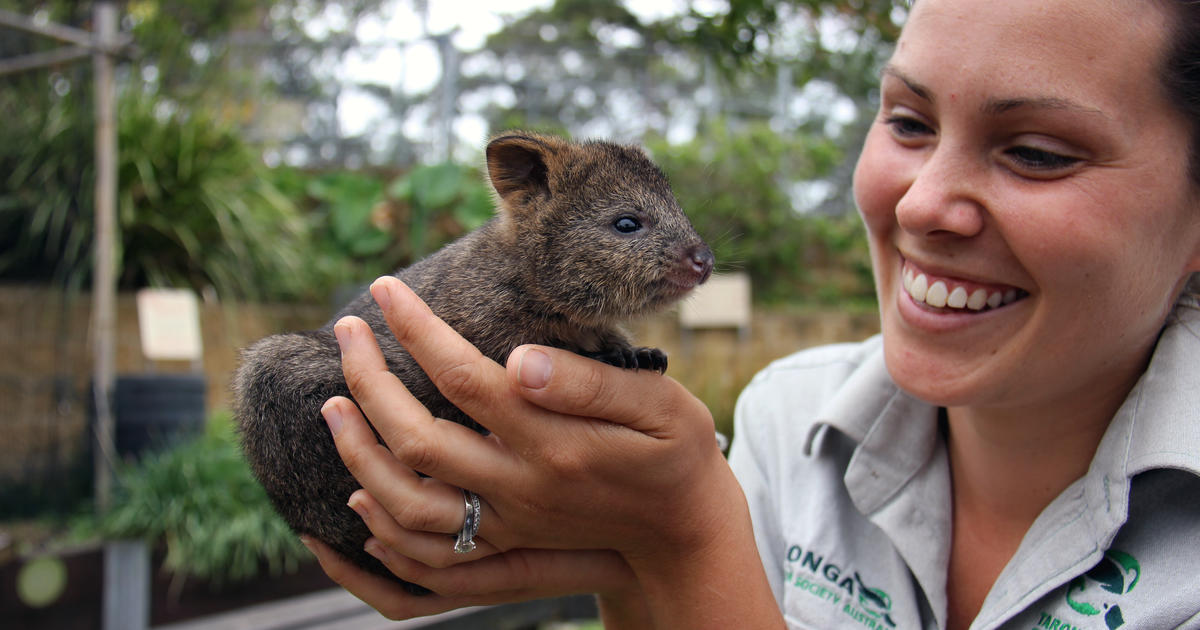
465,542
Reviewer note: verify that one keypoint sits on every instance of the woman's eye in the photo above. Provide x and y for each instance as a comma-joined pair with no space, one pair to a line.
906,127
1040,159
627,225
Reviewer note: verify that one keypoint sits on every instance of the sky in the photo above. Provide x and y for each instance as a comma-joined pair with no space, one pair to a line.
396,51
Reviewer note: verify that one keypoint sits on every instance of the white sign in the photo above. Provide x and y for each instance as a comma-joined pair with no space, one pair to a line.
722,302
169,323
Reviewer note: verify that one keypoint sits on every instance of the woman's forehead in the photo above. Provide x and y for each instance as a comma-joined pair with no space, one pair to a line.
1076,50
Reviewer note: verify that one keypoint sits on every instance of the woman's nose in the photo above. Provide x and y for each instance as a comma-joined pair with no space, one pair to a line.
944,198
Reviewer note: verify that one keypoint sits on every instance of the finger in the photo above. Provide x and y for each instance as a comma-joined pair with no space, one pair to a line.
520,577
565,382
396,492
526,573
473,382
429,548
419,440
384,595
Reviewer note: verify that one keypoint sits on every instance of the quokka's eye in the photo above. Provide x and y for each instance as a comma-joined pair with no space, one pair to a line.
627,225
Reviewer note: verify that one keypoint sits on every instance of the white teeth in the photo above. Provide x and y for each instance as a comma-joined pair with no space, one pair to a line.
920,286
939,295
936,296
958,298
977,300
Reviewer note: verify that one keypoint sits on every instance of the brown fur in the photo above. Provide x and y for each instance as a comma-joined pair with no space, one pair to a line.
551,268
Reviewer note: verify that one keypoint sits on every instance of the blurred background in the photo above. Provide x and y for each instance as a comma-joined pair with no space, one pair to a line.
273,157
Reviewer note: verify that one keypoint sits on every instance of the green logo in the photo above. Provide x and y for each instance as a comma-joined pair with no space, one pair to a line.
874,601
1095,592
809,572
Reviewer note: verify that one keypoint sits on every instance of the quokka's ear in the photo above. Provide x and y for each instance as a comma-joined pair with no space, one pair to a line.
517,168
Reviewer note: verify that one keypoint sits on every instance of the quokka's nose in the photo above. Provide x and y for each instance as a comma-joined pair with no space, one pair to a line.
701,259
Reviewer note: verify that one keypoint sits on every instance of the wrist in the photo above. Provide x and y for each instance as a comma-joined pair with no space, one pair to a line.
711,575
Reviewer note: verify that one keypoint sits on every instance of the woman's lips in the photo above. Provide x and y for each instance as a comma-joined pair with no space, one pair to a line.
955,294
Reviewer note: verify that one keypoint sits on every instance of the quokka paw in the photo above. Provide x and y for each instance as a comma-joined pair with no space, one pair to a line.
633,358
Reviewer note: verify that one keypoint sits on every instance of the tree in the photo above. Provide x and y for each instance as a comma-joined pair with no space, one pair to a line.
195,206
222,72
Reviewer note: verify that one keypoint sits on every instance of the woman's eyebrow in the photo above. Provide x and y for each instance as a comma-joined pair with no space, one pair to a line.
913,85
996,106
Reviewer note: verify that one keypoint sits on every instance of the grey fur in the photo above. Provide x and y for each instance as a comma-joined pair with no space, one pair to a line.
551,268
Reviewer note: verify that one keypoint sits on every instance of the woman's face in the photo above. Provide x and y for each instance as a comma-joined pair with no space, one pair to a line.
1025,190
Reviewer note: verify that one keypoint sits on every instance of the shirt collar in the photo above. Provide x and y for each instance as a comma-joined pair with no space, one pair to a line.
1156,426
896,433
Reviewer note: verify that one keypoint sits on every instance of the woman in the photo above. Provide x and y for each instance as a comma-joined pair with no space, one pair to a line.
1020,448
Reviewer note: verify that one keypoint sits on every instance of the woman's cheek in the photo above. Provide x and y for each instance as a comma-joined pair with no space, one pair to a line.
877,188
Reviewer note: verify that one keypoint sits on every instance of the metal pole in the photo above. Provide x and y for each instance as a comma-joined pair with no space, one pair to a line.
448,94
126,585
104,290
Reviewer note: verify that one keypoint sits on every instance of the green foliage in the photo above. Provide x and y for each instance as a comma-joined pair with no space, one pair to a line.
198,209
192,199
448,190
365,224
200,499
195,210
346,204
732,180
46,162
734,184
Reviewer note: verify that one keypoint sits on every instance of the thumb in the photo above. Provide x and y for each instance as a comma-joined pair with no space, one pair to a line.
568,383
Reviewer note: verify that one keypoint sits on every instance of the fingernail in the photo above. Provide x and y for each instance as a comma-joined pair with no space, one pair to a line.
358,507
382,294
342,332
375,548
333,417
534,369
308,544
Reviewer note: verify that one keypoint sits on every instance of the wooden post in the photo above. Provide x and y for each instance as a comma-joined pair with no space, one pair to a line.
126,564
104,289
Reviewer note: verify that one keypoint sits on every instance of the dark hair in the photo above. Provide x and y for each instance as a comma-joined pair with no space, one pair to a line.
1181,74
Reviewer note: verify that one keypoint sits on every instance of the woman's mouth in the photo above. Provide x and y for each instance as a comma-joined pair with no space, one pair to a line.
953,294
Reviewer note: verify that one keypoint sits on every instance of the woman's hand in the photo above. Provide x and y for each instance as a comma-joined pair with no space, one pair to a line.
518,575
581,456
596,458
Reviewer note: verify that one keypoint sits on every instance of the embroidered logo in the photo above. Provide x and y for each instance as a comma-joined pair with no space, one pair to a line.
1098,592
819,578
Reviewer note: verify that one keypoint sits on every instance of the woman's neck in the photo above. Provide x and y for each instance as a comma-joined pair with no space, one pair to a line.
1011,466
1005,468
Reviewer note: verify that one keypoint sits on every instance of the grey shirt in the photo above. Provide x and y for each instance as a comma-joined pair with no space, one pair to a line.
848,484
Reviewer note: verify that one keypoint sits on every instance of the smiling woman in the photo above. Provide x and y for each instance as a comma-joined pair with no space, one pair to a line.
976,174
1019,448
1067,198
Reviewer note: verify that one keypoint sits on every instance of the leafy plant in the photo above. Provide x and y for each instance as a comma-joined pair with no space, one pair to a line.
193,208
347,203
364,224
446,189
46,167
200,499
734,181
